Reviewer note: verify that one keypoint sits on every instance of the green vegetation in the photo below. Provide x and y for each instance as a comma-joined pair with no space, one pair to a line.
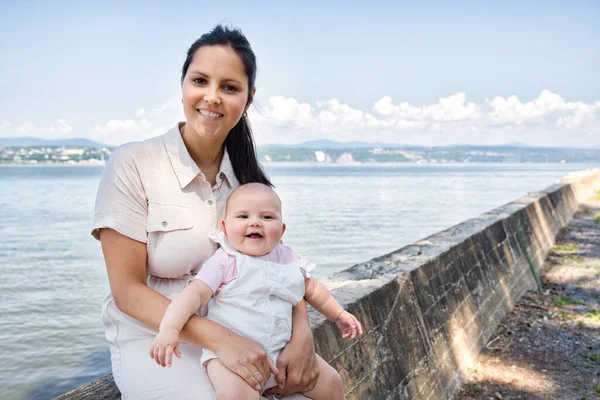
564,247
597,218
593,357
573,257
560,301
594,316
597,388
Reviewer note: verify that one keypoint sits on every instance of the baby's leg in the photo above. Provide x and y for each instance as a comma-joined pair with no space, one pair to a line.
228,385
329,384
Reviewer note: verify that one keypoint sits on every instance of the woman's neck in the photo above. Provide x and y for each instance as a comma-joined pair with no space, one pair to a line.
206,153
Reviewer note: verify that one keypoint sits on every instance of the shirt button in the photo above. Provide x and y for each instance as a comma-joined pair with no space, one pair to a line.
210,202
222,175
271,297
164,223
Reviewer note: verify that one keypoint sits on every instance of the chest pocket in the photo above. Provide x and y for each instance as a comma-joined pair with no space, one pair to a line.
168,217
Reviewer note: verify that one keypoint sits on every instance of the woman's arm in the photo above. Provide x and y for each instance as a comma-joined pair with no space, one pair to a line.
125,260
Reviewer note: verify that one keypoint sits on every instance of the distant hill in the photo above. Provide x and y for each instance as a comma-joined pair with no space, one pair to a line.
330,144
27,141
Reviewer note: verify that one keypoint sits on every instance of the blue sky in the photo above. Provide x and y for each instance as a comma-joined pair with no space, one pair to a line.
410,72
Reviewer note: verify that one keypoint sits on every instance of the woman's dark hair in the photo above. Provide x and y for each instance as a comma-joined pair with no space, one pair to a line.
239,141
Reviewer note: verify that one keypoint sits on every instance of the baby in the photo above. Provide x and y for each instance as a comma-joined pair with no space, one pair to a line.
251,284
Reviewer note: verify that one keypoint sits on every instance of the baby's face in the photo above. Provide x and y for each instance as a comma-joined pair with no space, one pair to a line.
253,222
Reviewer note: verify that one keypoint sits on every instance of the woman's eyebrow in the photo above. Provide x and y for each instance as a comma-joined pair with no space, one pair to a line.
208,76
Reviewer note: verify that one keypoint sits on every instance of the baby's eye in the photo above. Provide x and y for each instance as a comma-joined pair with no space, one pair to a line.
267,217
242,216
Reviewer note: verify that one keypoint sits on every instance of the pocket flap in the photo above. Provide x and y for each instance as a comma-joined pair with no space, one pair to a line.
168,217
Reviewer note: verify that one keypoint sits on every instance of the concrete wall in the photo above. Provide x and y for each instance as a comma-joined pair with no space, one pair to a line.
429,308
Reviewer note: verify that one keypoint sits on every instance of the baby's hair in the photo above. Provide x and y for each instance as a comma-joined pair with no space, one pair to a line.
253,186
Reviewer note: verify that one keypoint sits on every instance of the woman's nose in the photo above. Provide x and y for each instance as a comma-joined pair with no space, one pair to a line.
212,96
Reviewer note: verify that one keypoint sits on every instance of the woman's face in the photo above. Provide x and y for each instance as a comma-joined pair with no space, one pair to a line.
215,92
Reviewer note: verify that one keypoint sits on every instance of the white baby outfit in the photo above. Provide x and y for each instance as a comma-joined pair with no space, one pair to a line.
258,303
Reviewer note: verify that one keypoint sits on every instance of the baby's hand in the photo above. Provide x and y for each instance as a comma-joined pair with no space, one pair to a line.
349,325
164,346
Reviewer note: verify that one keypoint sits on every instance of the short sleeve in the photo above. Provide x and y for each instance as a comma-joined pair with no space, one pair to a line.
286,255
306,267
121,202
218,270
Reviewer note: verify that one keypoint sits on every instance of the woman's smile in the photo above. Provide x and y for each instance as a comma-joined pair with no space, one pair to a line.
209,114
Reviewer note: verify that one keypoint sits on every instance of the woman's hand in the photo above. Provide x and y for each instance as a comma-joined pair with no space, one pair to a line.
297,362
247,359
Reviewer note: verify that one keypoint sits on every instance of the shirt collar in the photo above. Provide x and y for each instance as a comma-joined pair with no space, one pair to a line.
184,166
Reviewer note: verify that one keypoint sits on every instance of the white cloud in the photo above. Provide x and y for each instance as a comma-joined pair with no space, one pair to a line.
545,120
5,125
143,126
26,128
60,127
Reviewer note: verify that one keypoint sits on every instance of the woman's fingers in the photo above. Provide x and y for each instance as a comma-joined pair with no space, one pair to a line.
272,367
244,372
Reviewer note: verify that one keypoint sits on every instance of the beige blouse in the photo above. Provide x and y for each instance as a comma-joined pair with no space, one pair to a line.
153,192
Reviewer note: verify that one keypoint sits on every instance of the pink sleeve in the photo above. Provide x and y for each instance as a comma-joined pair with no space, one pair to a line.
218,270
285,255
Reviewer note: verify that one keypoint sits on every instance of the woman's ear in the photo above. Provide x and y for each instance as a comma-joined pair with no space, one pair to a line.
253,92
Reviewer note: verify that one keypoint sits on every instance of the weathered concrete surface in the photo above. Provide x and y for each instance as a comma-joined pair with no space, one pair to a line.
429,307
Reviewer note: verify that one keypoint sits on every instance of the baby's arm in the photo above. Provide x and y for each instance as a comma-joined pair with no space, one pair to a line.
195,295
317,295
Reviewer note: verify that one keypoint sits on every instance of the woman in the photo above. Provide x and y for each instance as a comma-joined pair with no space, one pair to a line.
157,203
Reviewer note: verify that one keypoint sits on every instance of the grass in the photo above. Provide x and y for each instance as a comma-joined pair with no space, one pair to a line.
593,357
564,230
594,315
597,388
559,301
564,247
597,218
573,257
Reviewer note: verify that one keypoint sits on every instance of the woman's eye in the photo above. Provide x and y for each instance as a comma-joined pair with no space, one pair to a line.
200,80
229,88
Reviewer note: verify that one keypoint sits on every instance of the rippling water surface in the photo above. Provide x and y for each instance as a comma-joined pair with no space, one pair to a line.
52,274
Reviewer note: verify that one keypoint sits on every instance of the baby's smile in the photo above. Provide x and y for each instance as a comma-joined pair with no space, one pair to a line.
254,235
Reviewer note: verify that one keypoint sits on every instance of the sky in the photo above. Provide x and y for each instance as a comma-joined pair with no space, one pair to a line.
414,72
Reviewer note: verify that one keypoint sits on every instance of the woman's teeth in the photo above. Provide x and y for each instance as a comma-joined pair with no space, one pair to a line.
210,114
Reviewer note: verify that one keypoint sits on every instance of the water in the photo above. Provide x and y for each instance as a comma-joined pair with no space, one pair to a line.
52,271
